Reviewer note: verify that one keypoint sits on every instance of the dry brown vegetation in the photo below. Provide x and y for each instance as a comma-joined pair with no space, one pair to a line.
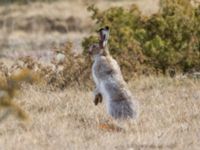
60,107
169,118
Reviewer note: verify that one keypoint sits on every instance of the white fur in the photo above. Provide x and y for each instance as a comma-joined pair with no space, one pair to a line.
119,101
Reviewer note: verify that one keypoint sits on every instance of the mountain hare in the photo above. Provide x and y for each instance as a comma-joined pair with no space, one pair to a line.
110,85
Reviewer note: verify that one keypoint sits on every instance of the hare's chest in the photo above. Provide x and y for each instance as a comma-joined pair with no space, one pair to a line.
94,73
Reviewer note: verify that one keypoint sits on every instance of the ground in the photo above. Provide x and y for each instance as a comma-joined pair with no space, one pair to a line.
169,118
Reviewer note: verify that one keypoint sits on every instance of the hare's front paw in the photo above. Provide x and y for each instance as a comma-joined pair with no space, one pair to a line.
98,98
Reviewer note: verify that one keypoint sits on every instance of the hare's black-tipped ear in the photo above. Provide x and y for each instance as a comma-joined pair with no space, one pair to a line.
107,27
103,35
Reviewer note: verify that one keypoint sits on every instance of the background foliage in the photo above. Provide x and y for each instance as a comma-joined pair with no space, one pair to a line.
166,42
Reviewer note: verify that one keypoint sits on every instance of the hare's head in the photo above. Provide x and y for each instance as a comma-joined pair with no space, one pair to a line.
95,49
99,48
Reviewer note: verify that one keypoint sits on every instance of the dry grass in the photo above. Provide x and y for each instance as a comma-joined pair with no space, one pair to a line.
169,118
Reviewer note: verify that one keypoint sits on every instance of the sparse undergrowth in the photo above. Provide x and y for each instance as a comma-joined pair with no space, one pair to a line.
65,70
9,86
73,70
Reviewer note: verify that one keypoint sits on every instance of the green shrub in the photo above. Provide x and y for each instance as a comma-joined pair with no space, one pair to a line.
167,40
122,44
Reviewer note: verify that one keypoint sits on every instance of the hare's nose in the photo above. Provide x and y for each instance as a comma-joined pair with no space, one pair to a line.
90,52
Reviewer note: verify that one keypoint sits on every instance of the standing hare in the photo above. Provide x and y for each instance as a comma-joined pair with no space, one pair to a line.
110,85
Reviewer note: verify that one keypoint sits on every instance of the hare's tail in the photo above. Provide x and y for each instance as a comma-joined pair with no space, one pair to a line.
123,109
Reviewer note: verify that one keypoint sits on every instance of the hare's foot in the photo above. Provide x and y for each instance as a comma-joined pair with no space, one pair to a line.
98,99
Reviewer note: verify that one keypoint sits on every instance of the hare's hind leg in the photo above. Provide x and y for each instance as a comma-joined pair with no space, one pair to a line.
122,109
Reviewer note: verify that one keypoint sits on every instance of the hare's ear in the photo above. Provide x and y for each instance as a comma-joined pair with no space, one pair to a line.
103,36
